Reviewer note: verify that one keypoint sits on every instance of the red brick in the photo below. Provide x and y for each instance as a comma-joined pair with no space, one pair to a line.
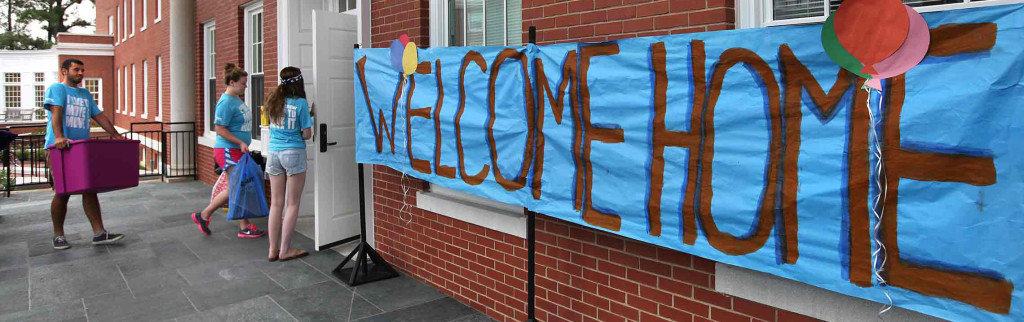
595,276
559,299
570,244
721,3
622,13
611,269
624,285
656,295
608,29
674,314
581,31
624,259
672,21
642,277
642,249
581,5
642,303
753,309
711,16
567,20
626,311
586,285
647,317
651,9
613,242
607,3
570,292
675,287
697,308
555,10
595,300
674,257
691,277
532,13
704,265
712,297
584,308
787,316
584,261
592,17
605,316
726,316
655,267
689,30
719,27
611,293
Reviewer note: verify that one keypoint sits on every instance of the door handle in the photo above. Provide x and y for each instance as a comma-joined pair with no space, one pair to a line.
323,138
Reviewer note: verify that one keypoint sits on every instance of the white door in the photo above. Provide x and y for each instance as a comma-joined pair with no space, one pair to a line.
336,181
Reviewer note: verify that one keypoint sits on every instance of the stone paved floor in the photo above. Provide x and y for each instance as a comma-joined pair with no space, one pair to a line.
165,270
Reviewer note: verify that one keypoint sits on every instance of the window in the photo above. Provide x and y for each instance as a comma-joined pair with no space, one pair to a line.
12,77
346,5
95,87
40,95
12,96
210,73
124,104
479,23
159,87
145,13
40,77
135,90
132,26
124,20
159,11
117,91
254,63
145,89
110,25
788,12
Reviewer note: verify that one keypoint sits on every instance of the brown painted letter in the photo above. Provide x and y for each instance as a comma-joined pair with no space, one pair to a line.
475,57
442,170
520,180
590,215
557,106
424,112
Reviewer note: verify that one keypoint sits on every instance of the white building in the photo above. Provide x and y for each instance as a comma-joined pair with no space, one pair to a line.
25,76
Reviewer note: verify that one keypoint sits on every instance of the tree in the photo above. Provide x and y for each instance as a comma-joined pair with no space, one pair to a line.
15,35
53,14
21,40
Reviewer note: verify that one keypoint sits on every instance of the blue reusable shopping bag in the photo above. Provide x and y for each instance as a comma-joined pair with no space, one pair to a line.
246,198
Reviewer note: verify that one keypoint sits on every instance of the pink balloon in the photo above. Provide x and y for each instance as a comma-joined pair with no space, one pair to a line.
404,39
910,53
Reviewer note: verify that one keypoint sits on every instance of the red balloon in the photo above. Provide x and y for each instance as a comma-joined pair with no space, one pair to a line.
871,30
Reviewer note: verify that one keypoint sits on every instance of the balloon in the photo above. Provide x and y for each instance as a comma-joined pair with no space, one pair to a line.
910,53
404,39
871,30
836,51
397,49
409,59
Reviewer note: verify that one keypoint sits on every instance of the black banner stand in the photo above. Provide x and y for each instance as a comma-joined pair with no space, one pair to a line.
363,272
531,240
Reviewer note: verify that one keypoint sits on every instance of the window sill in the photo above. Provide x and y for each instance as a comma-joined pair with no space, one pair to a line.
207,140
802,298
503,220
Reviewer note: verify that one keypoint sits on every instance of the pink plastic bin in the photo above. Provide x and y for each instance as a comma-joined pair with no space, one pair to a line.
95,165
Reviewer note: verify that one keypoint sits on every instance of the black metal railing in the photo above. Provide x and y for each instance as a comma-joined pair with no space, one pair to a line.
166,150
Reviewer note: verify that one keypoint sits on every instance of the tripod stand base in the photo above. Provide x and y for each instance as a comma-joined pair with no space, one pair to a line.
369,267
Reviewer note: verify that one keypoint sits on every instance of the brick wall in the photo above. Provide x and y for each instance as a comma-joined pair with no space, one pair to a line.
229,16
603,20
392,18
146,46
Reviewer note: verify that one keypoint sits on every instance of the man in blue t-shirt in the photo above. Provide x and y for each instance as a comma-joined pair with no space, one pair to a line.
69,109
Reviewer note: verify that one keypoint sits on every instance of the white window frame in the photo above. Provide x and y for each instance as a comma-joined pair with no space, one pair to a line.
145,14
145,89
159,11
209,72
159,88
39,95
439,23
117,91
15,75
124,20
99,90
255,8
132,34
110,27
758,13
135,90
124,107
8,101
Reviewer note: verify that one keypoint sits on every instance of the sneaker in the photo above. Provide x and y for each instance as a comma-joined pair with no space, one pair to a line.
250,232
59,242
204,225
106,238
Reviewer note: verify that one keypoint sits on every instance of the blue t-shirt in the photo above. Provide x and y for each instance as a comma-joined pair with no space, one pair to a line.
288,133
236,116
78,107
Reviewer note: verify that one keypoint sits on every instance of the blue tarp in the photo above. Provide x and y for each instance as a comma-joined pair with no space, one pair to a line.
761,165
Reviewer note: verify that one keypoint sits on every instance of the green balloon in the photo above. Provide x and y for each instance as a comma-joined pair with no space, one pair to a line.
835,50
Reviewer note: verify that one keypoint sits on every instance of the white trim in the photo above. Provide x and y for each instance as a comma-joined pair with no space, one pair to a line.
124,91
482,212
124,20
206,140
758,13
110,26
145,14
132,34
135,90
145,88
208,26
79,49
117,90
99,88
251,9
803,298
159,11
159,87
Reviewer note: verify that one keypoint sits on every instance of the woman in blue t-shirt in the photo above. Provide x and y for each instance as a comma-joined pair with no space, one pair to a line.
290,123
233,124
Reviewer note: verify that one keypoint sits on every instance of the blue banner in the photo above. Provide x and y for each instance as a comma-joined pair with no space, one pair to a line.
748,147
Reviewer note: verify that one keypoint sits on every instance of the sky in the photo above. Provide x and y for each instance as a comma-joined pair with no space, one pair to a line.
86,11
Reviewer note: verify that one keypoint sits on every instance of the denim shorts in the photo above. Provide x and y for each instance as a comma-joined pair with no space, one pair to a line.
290,161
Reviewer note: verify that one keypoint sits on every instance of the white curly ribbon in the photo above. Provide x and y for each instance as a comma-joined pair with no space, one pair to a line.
878,207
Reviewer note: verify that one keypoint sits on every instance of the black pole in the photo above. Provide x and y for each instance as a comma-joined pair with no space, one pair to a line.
363,271
531,240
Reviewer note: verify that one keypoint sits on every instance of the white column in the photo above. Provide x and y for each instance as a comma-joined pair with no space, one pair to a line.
183,80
